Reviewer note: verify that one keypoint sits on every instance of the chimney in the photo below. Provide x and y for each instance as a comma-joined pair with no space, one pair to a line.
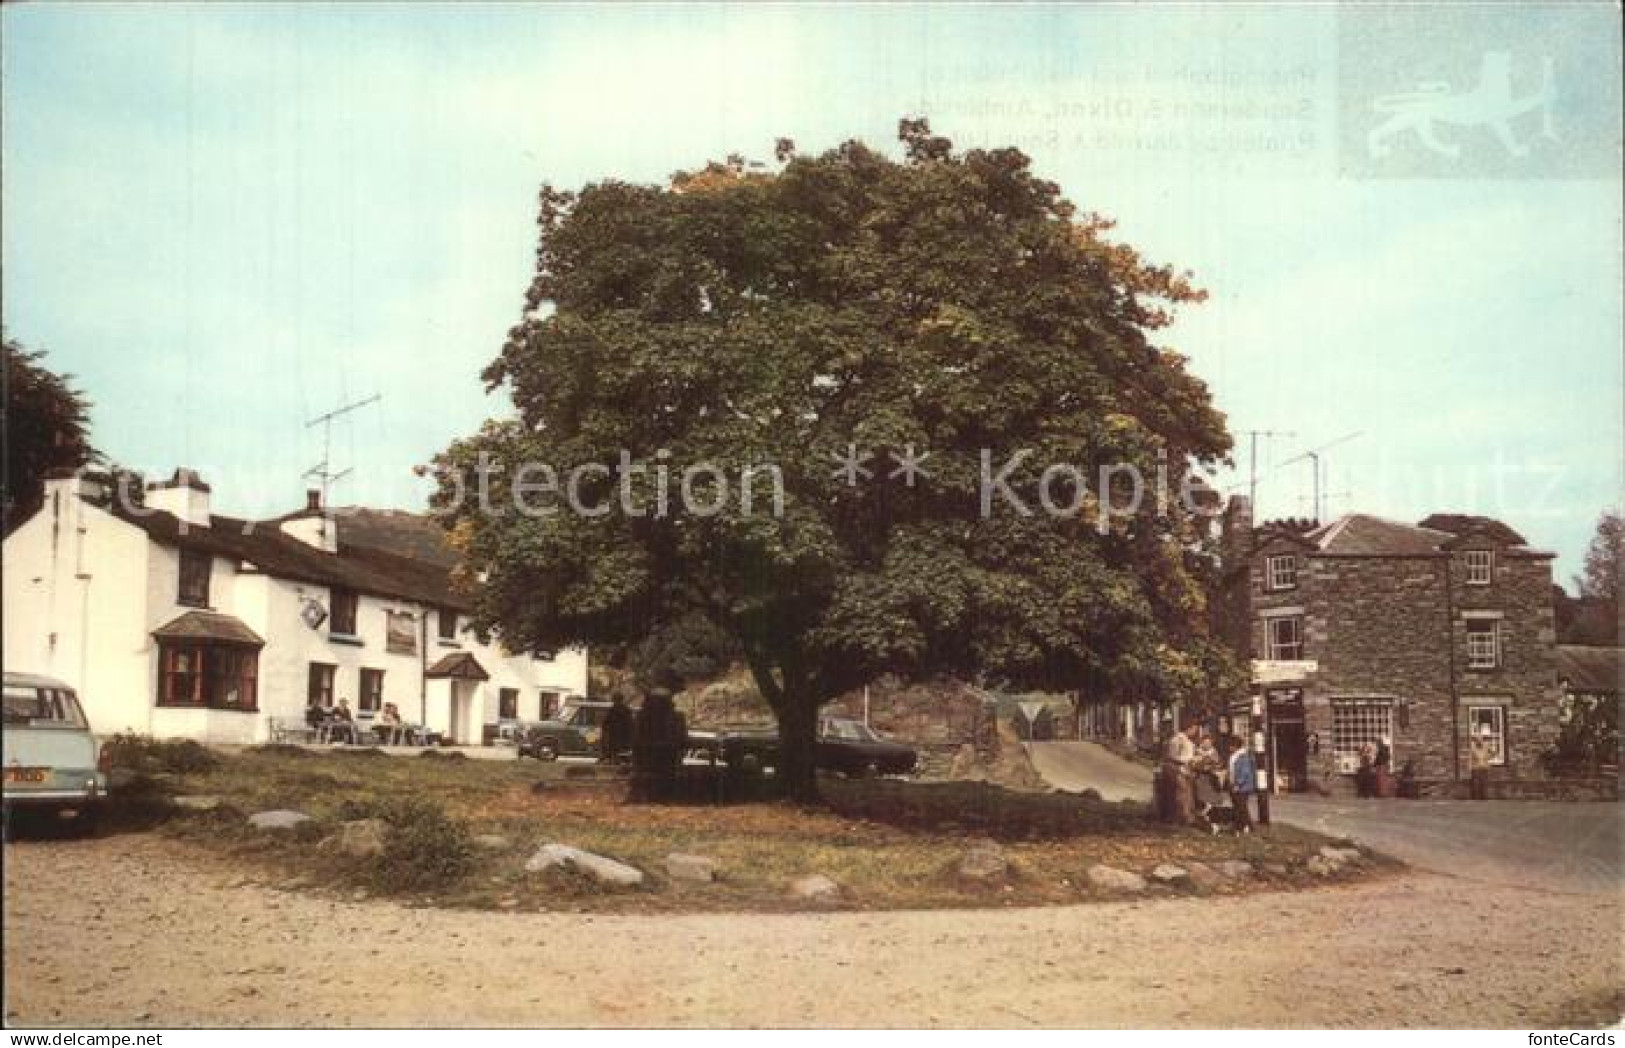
1236,531
184,495
313,500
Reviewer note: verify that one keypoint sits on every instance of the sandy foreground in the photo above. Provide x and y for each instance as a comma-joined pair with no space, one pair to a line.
141,931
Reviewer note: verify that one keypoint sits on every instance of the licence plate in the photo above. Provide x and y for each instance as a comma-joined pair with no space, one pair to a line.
27,774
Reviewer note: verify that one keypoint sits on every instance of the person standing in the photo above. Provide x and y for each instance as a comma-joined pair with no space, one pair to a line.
1177,755
1480,752
615,738
1242,776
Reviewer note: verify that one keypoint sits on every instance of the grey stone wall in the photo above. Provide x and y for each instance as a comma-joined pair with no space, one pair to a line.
1393,627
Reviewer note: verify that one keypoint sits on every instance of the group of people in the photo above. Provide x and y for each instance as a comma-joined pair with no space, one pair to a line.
341,724
1197,776
1374,777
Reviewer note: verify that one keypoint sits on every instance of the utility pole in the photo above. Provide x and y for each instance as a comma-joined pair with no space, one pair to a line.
322,471
1252,460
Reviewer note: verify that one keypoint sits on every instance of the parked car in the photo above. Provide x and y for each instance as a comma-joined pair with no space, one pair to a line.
573,733
847,746
51,760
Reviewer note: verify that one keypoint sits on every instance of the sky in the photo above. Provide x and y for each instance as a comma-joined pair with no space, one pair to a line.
227,220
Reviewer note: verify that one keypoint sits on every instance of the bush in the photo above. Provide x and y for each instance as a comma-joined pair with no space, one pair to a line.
143,753
424,849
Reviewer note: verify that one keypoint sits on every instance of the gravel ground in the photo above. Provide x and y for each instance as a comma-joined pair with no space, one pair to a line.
141,931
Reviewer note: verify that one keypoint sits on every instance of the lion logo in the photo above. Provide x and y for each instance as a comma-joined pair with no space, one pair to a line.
1490,105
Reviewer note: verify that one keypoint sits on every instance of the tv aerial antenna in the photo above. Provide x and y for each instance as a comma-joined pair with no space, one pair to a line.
323,470
1313,456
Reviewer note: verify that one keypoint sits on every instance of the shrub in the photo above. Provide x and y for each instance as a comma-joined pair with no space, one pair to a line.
424,849
145,754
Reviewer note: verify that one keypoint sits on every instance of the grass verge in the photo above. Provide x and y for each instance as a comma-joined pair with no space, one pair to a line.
450,832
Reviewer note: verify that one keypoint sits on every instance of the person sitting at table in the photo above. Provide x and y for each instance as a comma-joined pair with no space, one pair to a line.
388,723
315,715
343,722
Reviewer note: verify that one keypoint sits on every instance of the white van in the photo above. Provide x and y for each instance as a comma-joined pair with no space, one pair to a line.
50,759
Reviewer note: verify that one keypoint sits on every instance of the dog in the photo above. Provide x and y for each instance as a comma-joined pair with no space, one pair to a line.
1222,820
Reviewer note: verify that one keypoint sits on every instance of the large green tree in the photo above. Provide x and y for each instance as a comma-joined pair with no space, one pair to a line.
950,303
46,427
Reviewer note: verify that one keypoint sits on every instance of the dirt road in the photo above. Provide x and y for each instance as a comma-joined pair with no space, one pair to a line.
135,931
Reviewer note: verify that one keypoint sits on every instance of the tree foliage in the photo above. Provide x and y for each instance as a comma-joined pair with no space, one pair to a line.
741,317
1594,617
47,428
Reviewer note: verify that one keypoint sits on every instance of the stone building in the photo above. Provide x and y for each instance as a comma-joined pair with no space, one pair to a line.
1365,629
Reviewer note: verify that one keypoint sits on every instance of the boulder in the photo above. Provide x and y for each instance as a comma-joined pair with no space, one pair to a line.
280,819
1341,855
1202,875
1321,866
491,842
1234,868
815,887
360,839
1113,879
984,862
696,868
1167,873
195,802
599,868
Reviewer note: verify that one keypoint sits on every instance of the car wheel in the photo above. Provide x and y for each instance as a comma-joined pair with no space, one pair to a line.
547,751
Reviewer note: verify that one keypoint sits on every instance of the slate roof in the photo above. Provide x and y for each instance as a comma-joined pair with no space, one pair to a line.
373,557
1363,535
459,665
1590,669
209,625
1460,524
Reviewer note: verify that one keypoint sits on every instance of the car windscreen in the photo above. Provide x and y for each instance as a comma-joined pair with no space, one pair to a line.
850,731
42,708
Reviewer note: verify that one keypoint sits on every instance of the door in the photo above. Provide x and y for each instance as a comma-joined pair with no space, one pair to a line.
1289,744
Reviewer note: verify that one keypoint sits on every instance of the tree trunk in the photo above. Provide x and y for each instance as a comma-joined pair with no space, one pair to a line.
798,747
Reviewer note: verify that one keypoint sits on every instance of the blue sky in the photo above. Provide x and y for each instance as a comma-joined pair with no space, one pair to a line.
226,220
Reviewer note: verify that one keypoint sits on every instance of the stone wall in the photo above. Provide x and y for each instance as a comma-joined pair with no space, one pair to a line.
1525,683
1393,627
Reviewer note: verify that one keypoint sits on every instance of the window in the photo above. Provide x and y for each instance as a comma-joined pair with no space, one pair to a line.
508,704
194,587
1483,644
372,690
548,704
1480,566
32,707
448,625
1356,722
1281,573
319,689
1283,637
1489,722
344,608
217,676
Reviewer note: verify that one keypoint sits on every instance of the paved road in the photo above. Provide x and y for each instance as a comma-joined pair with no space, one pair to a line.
1576,847
1085,765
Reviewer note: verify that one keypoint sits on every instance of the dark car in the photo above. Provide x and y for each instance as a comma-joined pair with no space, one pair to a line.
846,746
573,733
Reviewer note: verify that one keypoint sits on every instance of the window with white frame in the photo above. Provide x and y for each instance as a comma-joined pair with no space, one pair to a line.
1490,724
1356,722
1281,573
1283,637
1480,567
1483,644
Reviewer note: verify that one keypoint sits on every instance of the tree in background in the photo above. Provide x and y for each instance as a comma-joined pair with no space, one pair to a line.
743,318
1600,583
46,428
